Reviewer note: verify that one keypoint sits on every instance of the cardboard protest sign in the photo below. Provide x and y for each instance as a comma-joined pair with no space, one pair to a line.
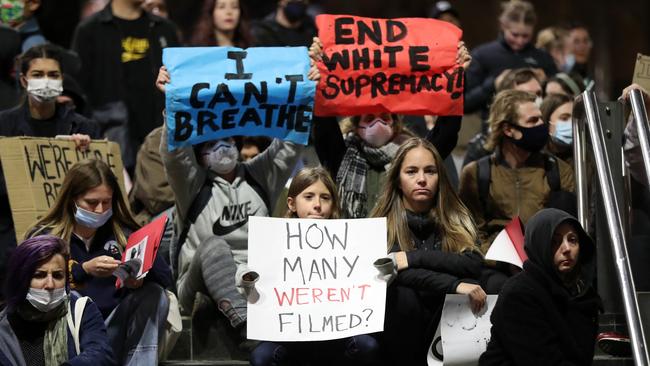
34,169
216,92
642,71
508,246
140,251
317,280
405,65
464,335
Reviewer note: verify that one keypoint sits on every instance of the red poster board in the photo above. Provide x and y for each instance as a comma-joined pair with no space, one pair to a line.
405,65
141,249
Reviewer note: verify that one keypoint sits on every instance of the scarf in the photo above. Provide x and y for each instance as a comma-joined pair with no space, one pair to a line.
352,174
55,340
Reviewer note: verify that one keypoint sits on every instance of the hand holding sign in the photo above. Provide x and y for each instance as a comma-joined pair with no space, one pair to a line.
102,266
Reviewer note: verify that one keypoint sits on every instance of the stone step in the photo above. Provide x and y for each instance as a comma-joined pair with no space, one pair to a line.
203,363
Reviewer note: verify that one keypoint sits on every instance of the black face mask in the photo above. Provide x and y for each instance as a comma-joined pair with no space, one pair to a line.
295,11
532,139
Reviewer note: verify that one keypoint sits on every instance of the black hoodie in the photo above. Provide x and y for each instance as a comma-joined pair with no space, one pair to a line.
537,321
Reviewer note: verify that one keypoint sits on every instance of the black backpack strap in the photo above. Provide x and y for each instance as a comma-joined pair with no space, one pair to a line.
258,189
483,173
552,169
199,203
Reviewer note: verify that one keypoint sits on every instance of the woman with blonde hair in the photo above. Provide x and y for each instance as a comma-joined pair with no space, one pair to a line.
91,215
433,245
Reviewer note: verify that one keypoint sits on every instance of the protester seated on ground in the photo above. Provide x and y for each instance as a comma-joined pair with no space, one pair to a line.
313,194
568,84
215,195
91,214
548,313
357,160
518,178
251,146
38,115
433,244
34,328
557,110
525,79
151,194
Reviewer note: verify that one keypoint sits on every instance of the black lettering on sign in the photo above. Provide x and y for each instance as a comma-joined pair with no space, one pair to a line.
341,58
33,165
395,31
205,118
239,57
418,58
182,126
373,34
293,80
343,35
251,89
194,94
222,94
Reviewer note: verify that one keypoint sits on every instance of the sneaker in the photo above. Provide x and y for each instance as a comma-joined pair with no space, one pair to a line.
615,344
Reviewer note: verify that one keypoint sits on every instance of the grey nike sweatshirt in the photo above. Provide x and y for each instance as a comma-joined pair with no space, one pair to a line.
226,213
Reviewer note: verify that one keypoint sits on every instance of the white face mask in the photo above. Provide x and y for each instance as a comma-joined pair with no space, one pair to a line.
44,89
376,133
45,300
221,157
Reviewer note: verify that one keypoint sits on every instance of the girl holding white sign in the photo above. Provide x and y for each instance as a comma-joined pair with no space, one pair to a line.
433,246
312,194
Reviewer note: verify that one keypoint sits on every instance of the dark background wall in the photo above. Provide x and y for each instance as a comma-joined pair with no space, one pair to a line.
619,29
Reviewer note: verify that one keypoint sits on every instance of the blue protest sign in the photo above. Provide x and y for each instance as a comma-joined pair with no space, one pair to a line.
217,92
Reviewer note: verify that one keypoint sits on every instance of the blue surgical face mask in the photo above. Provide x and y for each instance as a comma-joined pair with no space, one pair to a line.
569,62
563,134
90,219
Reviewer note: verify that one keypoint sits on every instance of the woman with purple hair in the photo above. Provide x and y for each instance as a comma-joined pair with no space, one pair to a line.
34,326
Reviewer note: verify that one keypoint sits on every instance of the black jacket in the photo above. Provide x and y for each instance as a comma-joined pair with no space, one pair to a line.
269,33
432,270
536,320
97,40
330,145
489,60
14,122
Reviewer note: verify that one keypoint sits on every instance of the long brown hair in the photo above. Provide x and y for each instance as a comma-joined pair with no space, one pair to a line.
83,176
305,178
450,214
203,32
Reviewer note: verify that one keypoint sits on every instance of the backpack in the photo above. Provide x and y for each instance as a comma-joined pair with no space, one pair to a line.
557,197
75,325
201,200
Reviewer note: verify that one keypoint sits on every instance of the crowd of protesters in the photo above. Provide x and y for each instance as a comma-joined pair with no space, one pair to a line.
110,83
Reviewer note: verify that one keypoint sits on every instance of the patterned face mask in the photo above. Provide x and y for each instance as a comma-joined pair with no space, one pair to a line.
12,12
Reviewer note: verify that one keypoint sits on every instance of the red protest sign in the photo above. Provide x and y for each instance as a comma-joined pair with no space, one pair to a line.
405,65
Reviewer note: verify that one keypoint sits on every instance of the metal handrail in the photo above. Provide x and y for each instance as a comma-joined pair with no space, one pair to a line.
643,130
580,163
614,221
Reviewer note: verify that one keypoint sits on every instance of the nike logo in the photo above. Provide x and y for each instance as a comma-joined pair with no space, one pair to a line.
221,230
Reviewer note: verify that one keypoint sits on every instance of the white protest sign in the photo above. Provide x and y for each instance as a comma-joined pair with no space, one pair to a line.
317,280
464,335
503,250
